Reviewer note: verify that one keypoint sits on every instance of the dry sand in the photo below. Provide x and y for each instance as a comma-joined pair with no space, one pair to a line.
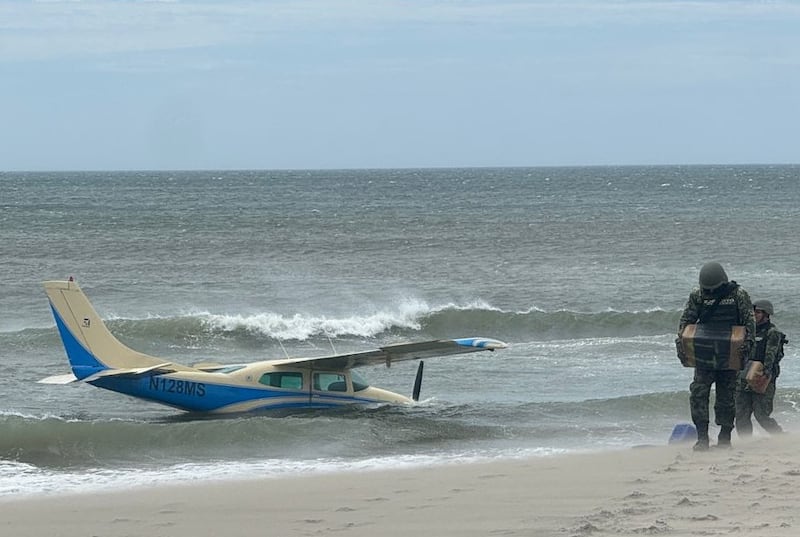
750,490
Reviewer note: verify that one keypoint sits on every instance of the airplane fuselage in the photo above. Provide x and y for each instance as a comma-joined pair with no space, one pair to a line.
212,393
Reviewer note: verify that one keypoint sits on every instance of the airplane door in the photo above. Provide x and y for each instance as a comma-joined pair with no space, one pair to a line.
330,388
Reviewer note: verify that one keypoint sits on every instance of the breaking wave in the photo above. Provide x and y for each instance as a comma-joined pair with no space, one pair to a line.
413,320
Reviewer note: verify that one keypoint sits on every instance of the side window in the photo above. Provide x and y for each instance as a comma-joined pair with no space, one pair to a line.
283,379
330,382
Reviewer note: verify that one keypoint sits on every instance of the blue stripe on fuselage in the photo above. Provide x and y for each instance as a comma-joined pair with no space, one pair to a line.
83,362
197,396
192,395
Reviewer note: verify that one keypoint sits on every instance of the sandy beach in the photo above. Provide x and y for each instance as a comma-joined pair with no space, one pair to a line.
750,490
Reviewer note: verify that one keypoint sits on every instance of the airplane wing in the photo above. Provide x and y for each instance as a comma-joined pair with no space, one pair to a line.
383,355
396,353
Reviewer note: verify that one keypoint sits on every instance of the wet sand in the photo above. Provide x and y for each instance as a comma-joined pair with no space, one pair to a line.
748,490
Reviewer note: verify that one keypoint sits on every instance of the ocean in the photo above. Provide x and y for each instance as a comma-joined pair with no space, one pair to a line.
583,271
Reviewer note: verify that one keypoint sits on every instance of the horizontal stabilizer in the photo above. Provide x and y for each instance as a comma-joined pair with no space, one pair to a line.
159,369
59,379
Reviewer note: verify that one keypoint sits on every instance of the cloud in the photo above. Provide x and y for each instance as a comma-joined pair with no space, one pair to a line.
52,30
58,30
343,83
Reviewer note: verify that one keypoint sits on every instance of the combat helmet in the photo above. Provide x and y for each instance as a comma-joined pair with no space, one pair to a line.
712,275
764,305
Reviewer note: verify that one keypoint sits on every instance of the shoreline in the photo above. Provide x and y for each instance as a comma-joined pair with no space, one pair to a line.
647,490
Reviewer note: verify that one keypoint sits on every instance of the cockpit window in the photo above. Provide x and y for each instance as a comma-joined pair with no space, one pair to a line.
358,382
330,382
283,379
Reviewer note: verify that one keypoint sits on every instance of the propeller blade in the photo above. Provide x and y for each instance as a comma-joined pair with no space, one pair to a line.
418,382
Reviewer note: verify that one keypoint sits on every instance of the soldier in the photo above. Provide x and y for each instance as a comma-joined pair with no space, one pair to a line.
768,351
721,304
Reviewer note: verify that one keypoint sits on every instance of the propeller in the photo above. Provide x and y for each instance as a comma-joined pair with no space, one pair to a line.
418,382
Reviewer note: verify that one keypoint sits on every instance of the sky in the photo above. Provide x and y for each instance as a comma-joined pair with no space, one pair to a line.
320,84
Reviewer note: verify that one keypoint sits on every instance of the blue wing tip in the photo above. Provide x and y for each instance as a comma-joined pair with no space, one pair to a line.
481,343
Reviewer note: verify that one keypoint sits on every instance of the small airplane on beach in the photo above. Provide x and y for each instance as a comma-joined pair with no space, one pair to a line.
100,359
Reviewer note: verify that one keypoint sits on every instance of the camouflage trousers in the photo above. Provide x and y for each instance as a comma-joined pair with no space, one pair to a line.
750,403
699,395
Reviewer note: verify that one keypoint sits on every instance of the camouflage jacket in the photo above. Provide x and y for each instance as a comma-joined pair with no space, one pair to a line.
697,302
767,331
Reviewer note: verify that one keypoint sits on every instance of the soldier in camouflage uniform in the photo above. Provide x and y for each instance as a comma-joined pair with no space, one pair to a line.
769,351
724,303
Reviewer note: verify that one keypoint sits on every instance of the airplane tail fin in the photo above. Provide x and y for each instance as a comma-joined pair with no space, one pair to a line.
90,347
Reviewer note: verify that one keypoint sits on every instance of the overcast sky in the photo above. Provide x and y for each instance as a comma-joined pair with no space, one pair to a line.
88,85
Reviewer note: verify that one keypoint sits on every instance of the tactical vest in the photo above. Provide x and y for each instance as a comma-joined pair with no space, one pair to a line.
725,314
760,352
761,342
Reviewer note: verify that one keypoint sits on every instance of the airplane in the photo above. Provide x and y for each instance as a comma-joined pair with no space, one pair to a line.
97,357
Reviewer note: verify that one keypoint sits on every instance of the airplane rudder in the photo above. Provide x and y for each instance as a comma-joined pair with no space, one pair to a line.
82,360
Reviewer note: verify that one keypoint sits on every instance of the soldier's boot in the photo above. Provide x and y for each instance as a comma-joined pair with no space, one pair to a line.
702,437
724,438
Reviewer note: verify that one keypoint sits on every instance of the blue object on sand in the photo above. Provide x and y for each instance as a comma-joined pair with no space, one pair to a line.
683,432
